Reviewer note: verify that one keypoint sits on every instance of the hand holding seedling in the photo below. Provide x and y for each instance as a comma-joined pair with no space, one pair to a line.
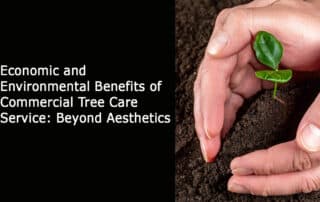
228,75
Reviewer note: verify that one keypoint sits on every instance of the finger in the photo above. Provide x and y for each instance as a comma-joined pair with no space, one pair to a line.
209,147
285,157
282,184
198,118
210,96
230,24
308,133
215,76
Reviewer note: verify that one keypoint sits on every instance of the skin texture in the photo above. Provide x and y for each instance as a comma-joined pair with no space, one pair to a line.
226,77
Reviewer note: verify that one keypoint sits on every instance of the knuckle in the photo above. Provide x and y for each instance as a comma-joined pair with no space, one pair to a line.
238,18
237,14
232,15
223,14
278,2
269,166
302,161
310,183
263,190
288,3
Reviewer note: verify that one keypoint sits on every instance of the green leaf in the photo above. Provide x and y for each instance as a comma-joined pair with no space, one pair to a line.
268,49
280,76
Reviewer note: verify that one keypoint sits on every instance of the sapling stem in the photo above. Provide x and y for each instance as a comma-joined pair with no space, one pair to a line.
275,90
275,94
275,86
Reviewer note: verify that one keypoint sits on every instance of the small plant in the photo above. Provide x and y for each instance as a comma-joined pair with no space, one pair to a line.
269,51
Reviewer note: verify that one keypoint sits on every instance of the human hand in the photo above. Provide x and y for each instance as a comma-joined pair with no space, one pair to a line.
226,77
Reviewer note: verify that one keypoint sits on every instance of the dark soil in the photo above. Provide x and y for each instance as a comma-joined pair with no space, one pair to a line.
261,122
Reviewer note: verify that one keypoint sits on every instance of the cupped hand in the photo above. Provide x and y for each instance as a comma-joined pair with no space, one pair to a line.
226,77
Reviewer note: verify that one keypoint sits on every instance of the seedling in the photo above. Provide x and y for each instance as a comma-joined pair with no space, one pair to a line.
269,51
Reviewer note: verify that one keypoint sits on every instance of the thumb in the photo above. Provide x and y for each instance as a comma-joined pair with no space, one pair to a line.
308,134
231,33
236,27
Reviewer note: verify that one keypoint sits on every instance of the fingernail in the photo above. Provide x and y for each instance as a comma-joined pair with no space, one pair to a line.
242,171
235,163
203,151
238,189
217,43
310,137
